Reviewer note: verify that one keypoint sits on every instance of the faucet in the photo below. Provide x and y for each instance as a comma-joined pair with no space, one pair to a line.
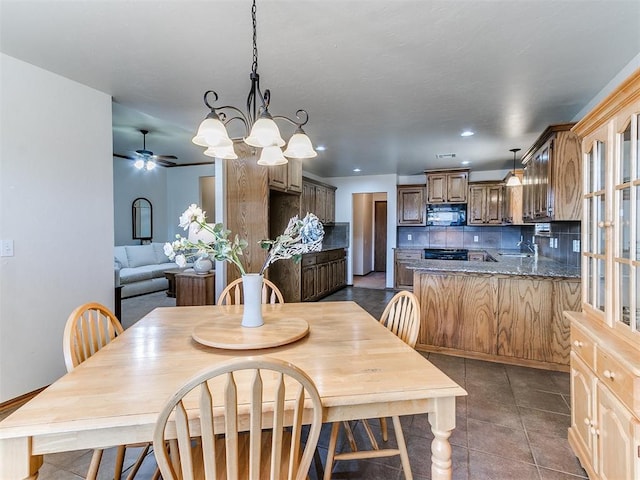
533,247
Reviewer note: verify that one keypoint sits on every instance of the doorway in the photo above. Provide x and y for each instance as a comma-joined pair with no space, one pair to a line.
369,245
380,236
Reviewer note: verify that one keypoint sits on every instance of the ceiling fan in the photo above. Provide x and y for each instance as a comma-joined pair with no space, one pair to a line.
145,159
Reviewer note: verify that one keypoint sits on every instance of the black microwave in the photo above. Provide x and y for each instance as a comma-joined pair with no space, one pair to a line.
447,215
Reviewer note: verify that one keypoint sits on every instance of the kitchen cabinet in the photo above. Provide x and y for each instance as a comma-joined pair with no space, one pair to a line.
447,186
411,205
605,357
509,319
485,203
320,199
512,204
403,259
322,274
287,177
553,176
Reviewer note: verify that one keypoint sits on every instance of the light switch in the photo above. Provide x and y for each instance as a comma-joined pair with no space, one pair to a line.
475,238
550,242
576,246
409,236
6,248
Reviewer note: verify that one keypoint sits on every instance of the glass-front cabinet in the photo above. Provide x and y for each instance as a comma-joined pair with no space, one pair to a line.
605,336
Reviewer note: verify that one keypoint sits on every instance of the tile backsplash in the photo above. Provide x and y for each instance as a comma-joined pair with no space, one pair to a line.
500,237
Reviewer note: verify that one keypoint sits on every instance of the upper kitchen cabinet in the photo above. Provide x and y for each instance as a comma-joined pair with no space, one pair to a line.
447,186
605,336
485,203
320,199
288,177
411,205
553,176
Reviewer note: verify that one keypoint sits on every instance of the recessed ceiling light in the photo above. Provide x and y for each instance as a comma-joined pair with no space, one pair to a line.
357,170
467,133
465,162
320,148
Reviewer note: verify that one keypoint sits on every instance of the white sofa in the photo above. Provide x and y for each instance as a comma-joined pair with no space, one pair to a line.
140,268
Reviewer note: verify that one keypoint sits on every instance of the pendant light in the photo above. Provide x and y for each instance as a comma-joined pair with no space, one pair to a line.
261,130
514,181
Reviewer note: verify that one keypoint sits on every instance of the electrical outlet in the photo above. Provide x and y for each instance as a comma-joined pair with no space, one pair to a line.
6,249
576,246
555,242
409,236
476,238
550,242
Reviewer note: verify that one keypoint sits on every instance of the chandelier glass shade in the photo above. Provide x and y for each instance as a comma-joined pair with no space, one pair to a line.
261,130
514,181
145,164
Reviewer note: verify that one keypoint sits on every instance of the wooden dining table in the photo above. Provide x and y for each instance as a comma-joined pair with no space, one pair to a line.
360,369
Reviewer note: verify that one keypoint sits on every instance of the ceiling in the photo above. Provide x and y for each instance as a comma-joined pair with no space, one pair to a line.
388,84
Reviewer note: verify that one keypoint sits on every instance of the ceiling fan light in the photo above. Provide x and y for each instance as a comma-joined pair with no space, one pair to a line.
272,155
150,165
139,164
300,147
264,133
211,133
513,181
226,152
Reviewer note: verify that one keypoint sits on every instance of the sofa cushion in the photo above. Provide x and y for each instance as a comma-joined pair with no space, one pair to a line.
158,249
158,270
138,274
140,255
120,254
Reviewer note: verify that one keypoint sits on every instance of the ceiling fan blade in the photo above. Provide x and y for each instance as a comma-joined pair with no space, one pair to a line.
163,162
128,157
167,157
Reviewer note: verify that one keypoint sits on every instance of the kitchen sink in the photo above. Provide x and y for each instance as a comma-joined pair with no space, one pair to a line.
519,255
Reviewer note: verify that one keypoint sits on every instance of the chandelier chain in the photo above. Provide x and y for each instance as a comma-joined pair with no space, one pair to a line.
254,65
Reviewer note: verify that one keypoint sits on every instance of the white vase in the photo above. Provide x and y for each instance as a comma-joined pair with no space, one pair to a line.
252,294
202,265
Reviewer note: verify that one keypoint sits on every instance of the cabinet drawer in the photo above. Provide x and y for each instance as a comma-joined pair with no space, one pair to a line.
616,377
409,255
309,259
335,254
582,344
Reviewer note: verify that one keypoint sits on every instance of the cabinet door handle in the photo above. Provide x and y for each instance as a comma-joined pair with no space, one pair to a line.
586,421
577,344
609,374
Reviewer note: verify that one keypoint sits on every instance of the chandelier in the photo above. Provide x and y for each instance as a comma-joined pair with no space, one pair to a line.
260,126
514,180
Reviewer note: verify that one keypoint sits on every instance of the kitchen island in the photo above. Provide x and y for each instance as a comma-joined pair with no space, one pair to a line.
508,310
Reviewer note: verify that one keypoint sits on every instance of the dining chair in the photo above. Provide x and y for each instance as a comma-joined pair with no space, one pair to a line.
90,327
251,413
232,294
402,317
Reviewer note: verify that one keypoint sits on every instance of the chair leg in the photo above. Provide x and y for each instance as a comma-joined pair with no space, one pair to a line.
402,446
383,427
119,461
331,451
92,474
139,461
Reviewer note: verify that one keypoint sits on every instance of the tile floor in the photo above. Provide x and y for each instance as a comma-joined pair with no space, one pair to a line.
512,426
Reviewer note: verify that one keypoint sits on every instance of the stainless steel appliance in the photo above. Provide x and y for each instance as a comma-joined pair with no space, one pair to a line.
446,215
446,253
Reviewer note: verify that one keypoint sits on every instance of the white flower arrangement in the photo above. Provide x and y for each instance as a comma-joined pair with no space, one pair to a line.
300,236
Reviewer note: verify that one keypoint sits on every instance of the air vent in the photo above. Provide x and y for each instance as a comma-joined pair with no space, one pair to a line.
440,156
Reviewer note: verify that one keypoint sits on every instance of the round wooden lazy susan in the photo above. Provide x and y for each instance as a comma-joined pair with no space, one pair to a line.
226,332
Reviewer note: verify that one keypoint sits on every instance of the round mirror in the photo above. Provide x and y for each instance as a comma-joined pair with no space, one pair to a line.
142,219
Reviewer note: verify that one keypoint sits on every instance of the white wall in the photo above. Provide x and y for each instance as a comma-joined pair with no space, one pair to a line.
130,183
346,187
183,189
56,204
361,248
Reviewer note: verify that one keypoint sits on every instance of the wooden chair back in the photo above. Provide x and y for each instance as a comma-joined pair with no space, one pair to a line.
232,294
402,317
89,328
264,403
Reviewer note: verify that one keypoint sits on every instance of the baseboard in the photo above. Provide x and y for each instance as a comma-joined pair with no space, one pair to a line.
17,402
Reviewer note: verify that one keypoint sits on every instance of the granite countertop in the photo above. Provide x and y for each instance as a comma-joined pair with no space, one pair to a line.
331,247
504,265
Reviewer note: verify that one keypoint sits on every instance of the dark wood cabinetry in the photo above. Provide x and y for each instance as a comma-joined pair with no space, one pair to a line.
322,274
447,186
485,204
320,199
411,205
552,183
403,259
288,177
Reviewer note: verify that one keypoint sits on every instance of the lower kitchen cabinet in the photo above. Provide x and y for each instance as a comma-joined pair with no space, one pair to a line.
322,274
403,259
605,401
509,319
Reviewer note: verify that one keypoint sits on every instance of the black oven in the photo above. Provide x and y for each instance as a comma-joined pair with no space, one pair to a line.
446,253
